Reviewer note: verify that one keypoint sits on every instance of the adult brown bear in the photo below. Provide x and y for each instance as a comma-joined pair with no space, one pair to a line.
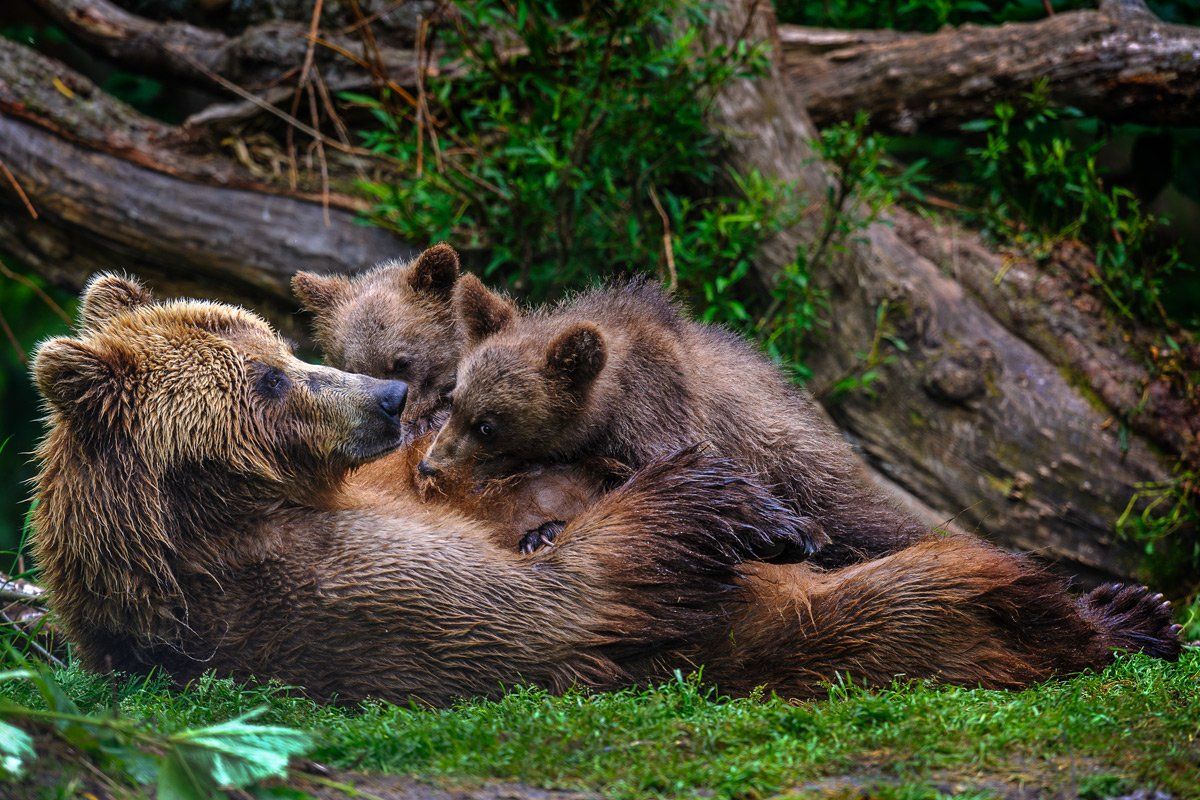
195,512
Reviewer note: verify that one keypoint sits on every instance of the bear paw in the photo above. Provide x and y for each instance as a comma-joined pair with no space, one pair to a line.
541,536
1136,619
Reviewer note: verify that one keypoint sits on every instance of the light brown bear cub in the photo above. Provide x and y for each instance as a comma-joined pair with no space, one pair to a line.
395,321
620,373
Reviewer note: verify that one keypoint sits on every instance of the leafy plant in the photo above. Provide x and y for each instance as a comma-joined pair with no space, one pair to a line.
194,763
552,148
1043,185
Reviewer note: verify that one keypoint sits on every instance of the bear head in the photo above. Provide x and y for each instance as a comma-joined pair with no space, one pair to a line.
172,427
524,391
395,321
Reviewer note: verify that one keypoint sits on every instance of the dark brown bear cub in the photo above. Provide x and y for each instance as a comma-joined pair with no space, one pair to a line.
620,373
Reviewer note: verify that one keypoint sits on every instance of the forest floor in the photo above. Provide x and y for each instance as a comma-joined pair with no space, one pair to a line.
1130,731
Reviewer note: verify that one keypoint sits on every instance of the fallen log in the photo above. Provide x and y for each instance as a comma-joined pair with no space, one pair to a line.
259,56
115,190
1118,63
970,419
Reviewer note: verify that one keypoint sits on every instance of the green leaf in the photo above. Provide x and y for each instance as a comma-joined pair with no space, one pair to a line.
16,748
236,754
179,780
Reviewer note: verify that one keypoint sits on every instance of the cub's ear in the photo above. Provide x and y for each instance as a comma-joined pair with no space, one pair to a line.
319,293
69,373
480,311
107,295
435,272
577,355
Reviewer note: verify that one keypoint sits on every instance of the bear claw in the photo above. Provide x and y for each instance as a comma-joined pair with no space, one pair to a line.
541,536
1135,618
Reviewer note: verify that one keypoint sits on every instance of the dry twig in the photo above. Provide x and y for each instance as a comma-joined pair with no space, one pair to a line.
20,192
668,247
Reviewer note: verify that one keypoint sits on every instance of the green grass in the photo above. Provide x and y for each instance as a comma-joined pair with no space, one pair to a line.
1136,724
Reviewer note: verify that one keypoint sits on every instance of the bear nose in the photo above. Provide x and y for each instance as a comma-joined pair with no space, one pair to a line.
427,469
391,396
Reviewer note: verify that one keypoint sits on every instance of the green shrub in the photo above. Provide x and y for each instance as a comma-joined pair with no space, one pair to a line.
1042,184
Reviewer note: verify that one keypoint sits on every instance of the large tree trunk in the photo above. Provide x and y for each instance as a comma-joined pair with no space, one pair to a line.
981,420
1003,413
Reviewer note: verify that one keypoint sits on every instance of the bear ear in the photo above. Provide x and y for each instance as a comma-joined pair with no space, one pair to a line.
107,295
577,355
319,293
435,271
68,371
480,311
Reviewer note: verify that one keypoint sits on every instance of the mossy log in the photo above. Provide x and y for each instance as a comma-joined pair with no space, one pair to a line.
991,416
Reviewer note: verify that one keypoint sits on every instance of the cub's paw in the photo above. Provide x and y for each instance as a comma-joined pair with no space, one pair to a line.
1136,618
541,536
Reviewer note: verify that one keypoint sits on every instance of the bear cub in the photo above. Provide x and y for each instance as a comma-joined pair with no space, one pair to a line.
620,373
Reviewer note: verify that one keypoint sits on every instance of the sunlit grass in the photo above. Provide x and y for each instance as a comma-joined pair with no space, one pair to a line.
1135,724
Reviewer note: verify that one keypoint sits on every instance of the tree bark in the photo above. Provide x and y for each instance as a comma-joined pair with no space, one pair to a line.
1119,63
115,190
973,420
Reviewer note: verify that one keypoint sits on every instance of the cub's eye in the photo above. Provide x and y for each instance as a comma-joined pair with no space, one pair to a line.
272,383
400,367
485,430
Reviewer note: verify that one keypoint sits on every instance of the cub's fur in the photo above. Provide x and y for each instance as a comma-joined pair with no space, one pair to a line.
619,373
397,321
195,512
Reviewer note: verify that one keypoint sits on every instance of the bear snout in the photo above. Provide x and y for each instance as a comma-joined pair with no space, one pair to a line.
391,396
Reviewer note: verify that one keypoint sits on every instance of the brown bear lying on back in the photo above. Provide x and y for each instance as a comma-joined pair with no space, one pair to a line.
620,373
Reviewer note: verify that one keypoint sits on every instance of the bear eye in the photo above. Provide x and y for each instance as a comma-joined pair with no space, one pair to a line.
485,430
401,366
272,383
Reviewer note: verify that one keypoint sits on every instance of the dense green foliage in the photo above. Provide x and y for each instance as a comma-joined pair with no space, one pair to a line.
1132,725
589,157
